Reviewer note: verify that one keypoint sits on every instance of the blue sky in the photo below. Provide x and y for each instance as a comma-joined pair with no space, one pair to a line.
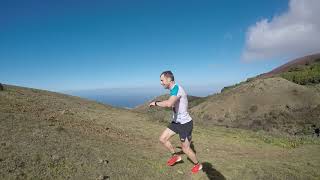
75,45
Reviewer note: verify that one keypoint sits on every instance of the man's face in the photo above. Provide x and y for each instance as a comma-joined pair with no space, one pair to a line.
165,82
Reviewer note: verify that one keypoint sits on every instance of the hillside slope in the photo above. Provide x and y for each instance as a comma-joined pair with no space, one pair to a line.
47,135
302,61
272,104
52,136
304,71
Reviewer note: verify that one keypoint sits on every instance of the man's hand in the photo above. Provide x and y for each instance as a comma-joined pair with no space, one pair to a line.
152,104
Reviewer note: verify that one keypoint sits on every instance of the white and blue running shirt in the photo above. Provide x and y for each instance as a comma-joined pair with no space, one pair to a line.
180,114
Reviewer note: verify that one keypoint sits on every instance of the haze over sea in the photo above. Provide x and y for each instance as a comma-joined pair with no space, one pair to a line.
132,97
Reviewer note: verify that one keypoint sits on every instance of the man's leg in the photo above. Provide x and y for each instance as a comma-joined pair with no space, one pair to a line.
191,155
188,151
164,139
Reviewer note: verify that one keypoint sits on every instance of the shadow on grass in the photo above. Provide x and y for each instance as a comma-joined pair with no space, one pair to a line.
211,172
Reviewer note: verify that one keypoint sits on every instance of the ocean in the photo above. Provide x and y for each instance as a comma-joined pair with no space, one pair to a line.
122,101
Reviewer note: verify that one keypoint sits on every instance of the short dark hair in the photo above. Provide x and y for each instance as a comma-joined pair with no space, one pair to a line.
168,74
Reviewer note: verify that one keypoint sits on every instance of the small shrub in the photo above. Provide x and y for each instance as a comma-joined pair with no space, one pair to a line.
253,108
60,128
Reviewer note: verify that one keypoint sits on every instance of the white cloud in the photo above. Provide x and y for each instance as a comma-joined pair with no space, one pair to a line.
293,33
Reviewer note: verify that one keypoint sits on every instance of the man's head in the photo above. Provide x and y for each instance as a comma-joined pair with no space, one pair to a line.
167,79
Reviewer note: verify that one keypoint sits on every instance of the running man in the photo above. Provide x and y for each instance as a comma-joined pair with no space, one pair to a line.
181,124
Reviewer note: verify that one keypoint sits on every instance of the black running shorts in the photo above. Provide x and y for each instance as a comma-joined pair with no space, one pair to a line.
184,130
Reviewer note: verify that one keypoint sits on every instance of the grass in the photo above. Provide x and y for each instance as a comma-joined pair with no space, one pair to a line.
245,154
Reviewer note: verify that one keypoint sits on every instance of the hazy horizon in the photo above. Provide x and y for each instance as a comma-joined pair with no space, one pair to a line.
131,97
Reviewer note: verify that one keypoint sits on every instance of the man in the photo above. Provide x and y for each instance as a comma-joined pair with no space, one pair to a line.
181,124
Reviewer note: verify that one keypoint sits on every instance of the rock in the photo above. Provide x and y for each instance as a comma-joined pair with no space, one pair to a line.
55,158
103,177
62,112
103,161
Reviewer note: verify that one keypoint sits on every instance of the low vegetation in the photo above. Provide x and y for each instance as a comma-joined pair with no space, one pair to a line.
307,74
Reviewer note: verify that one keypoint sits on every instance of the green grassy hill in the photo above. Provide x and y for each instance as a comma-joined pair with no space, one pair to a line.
307,74
302,71
46,135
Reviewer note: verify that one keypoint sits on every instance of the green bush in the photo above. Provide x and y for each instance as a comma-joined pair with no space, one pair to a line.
309,74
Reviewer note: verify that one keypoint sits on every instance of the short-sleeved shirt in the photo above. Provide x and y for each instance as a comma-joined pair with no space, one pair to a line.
180,109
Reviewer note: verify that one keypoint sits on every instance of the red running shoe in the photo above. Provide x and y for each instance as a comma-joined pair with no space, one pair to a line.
174,159
196,168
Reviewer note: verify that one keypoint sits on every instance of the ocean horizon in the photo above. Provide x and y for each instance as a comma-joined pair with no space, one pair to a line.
128,102
131,97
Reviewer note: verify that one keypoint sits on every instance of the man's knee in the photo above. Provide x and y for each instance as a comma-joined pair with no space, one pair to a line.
185,147
163,140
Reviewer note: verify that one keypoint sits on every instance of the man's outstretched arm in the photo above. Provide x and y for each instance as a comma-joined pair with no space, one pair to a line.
167,103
